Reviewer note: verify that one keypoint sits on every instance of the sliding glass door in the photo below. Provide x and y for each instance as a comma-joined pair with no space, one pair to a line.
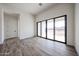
39,28
53,29
44,29
50,29
60,29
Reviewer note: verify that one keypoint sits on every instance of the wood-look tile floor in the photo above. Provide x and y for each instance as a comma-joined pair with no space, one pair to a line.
36,47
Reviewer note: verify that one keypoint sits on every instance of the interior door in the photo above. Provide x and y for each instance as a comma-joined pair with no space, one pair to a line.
13,28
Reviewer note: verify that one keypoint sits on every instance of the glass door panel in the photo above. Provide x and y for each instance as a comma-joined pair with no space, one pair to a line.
50,29
44,29
60,29
39,29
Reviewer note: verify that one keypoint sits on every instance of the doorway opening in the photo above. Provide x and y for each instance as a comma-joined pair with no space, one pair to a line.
10,25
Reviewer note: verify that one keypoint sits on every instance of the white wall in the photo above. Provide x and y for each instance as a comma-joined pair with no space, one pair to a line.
0,25
58,10
77,27
26,26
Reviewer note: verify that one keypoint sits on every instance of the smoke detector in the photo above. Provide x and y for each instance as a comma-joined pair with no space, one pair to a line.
40,4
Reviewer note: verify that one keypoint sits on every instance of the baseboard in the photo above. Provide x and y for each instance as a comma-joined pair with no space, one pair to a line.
12,38
28,38
70,45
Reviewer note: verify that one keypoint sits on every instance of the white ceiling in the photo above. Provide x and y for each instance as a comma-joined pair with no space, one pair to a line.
32,8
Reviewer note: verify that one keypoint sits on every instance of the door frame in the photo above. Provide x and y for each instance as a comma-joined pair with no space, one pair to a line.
54,28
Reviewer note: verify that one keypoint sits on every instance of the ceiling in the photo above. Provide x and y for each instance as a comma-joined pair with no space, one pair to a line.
32,8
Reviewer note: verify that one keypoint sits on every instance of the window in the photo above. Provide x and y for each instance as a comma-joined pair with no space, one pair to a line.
60,29
50,29
39,29
54,29
44,29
